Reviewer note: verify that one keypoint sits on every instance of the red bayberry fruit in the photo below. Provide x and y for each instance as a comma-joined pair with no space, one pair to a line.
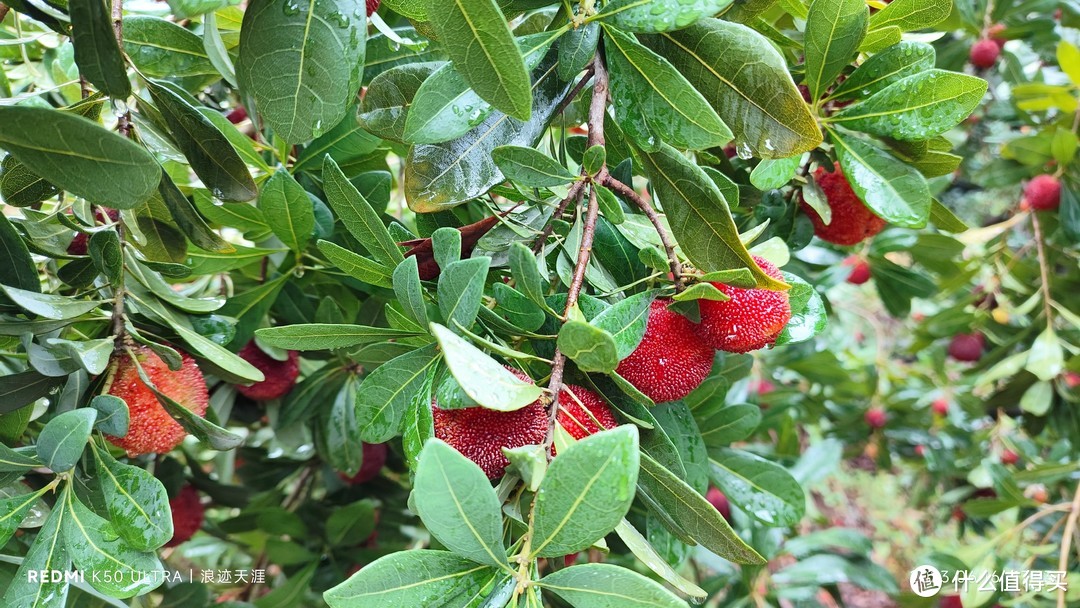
582,419
875,417
671,360
719,501
373,460
187,515
152,430
1072,379
280,376
852,221
984,53
480,434
1009,457
372,6
967,347
1043,193
940,406
860,270
237,115
920,451
996,33
78,245
750,319
951,601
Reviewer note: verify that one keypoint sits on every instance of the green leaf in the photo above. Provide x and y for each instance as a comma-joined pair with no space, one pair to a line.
11,460
94,546
413,578
729,424
97,53
346,143
911,14
744,78
386,393
446,246
608,586
483,380
530,167
1047,358
699,216
409,292
359,217
696,518
834,31
576,49
478,40
18,270
302,61
287,209
461,287
21,187
211,155
113,417
48,554
61,442
12,512
326,336
387,104
188,219
648,555
626,322
163,49
48,305
80,156
458,506
764,489
771,174
808,315
352,524
92,355
356,265
591,348
104,249
345,446
22,389
526,274
664,15
883,69
441,176
586,492
891,189
646,86
137,502
918,107
1038,398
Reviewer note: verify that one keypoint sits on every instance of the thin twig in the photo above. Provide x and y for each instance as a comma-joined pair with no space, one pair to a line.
1066,540
4,11
1044,268
626,191
576,90
573,195
118,21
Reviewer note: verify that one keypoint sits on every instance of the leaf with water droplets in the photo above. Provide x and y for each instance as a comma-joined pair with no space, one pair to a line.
761,488
661,15
137,502
893,190
898,61
834,31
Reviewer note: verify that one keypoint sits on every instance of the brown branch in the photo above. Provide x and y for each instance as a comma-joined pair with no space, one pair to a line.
118,21
577,89
626,191
1044,268
1066,539
4,11
573,195
598,105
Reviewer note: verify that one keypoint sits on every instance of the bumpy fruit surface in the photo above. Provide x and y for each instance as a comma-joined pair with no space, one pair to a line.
1043,193
373,461
280,375
671,360
719,501
750,319
967,347
582,419
152,430
875,418
860,270
984,53
78,245
372,6
480,434
852,221
187,515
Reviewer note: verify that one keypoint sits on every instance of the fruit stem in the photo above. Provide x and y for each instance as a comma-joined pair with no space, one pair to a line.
1066,541
572,196
1044,268
626,191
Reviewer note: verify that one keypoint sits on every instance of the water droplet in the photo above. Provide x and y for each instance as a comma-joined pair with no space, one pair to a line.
290,8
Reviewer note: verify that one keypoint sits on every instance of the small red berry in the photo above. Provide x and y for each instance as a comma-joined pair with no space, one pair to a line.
967,347
750,319
373,460
1043,193
237,115
1072,379
860,270
996,33
719,502
1009,457
372,6
78,245
187,515
875,418
671,360
951,601
852,221
940,406
920,451
280,376
984,53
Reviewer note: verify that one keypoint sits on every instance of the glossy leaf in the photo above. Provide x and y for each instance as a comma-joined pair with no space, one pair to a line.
626,321
461,288
911,14
729,424
389,97
808,316
80,156
834,31
883,69
324,336
61,442
893,190
763,489
590,347
137,502
577,48
303,62
287,209
664,15
12,512
97,53
530,167
608,586
163,49
483,380
359,217
19,270
21,187
345,446
458,506
419,577
387,393
48,553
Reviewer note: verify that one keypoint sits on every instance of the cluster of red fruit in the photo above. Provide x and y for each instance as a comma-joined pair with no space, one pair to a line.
851,221
674,357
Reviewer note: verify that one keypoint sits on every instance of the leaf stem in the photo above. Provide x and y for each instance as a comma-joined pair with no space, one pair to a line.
626,191
572,196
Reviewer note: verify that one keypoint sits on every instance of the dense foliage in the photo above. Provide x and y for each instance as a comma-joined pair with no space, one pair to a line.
528,303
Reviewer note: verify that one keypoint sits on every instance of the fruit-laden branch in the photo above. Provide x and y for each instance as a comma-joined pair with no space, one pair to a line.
673,260
597,109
